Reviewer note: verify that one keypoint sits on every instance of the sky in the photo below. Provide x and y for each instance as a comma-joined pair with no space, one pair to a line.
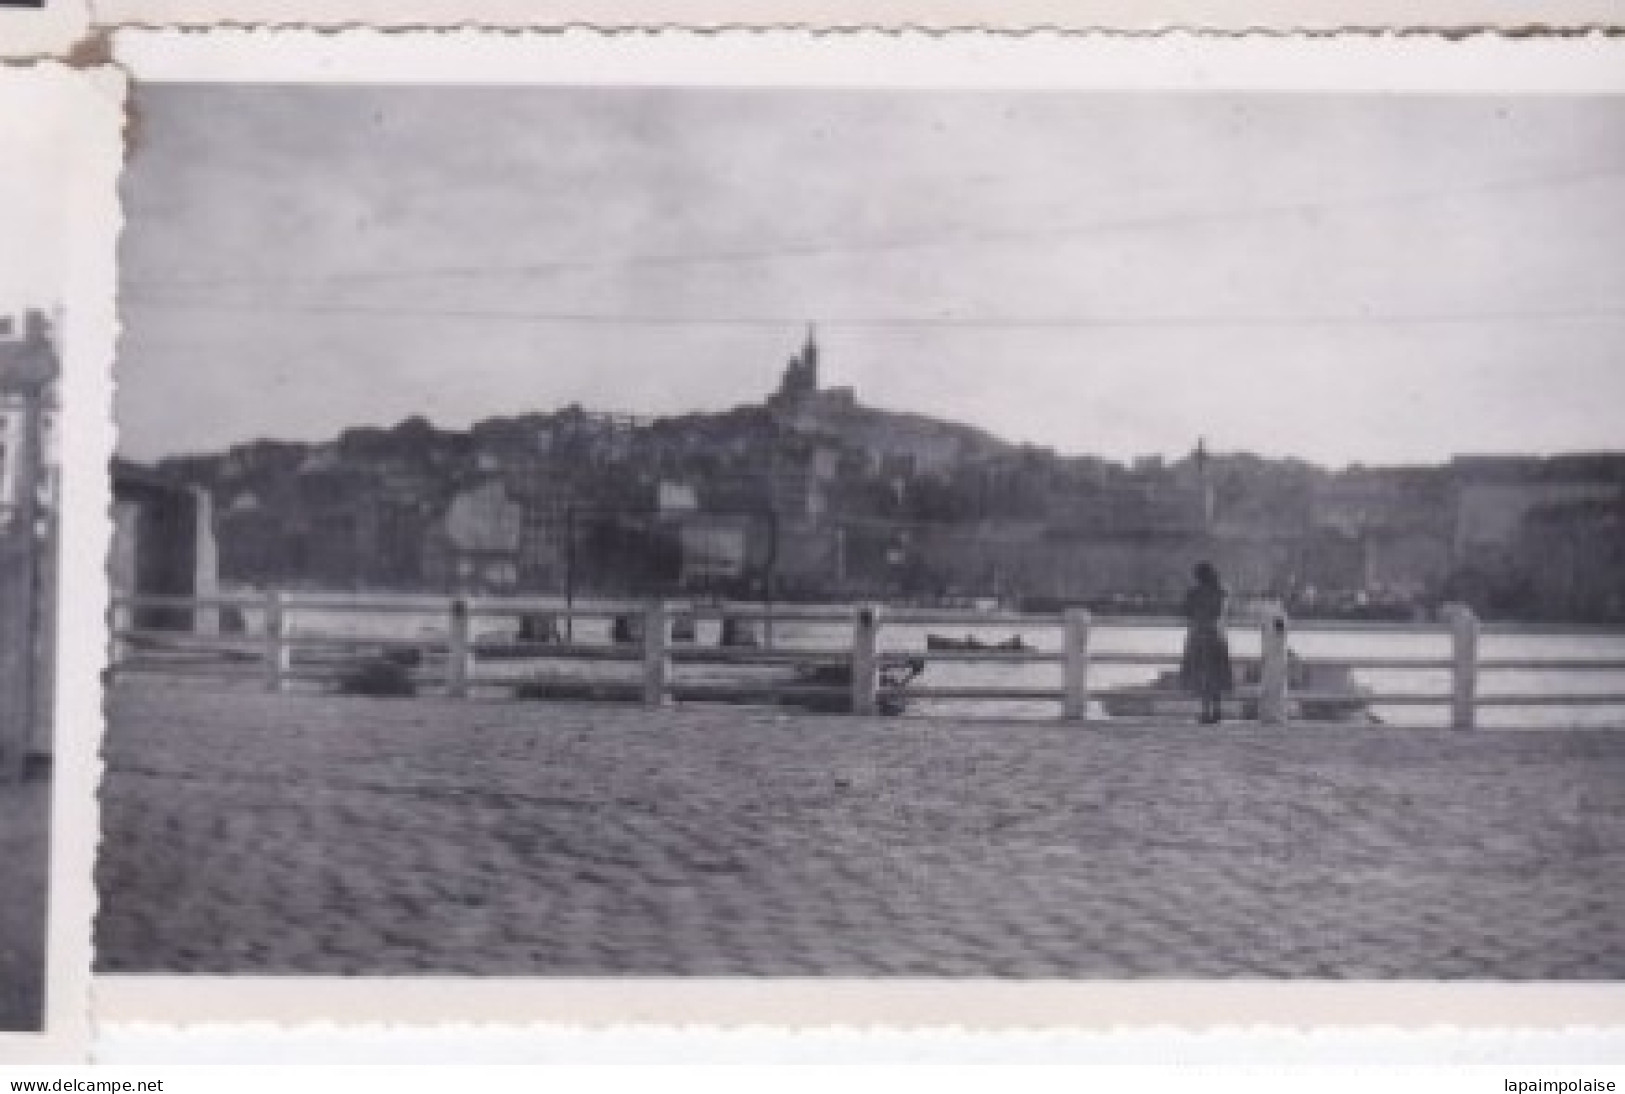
1374,279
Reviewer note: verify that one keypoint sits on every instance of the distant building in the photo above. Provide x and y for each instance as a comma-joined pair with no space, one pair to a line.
714,548
1405,564
1490,514
544,552
163,545
1573,556
676,497
479,540
1401,523
826,464
1363,499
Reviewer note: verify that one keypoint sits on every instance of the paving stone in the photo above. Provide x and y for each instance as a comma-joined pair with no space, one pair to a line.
253,833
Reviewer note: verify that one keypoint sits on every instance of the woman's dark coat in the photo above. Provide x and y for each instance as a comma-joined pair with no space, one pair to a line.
1205,668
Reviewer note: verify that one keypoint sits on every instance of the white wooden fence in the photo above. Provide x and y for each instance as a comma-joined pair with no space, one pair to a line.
278,657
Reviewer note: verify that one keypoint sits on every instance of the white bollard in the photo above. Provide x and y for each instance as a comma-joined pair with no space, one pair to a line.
1464,674
866,660
1273,674
656,654
278,652
205,565
457,651
1076,705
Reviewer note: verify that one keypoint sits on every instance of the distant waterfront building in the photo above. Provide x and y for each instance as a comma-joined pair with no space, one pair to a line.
1540,537
676,497
1364,499
163,545
1491,514
1573,556
1405,563
481,539
714,547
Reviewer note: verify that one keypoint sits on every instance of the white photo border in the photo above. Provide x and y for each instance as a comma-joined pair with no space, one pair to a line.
1586,64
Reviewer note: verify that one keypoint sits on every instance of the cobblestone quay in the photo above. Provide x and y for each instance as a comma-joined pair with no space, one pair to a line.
254,833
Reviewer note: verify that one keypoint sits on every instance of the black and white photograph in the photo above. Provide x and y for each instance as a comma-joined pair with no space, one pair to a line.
778,532
56,204
28,377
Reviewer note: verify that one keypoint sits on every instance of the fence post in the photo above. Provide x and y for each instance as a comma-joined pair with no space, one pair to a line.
1272,676
278,654
1077,664
205,565
457,651
1464,674
866,660
656,654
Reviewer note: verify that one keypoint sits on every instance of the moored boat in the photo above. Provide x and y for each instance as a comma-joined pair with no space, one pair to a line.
739,632
971,642
896,673
1317,691
823,687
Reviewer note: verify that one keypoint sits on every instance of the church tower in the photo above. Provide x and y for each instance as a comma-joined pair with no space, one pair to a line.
801,374
809,358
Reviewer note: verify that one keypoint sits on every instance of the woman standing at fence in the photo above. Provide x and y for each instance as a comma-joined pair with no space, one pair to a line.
1205,667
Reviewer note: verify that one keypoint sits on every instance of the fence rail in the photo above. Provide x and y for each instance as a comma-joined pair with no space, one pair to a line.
461,661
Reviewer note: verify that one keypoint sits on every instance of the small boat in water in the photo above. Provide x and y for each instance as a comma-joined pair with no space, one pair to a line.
970,642
1318,691
626,630
739,633
823,687
539,628
896,674
536,633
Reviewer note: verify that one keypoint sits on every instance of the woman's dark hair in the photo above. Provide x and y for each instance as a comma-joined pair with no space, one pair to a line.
1206,574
